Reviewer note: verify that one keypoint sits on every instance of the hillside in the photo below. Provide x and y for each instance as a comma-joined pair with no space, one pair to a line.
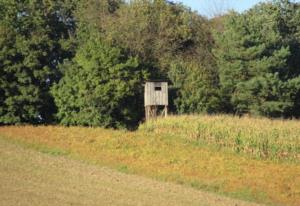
214,158
32,178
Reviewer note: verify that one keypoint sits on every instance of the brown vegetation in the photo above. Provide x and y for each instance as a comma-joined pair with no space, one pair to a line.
34,179
167,156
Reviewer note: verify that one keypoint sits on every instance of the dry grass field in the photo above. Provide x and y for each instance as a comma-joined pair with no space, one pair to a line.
250,159
30,178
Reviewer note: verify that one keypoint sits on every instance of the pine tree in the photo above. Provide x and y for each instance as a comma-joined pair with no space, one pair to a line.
101,86
256,56
34,38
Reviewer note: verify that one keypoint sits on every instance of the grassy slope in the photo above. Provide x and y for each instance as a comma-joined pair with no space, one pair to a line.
163,151
32,178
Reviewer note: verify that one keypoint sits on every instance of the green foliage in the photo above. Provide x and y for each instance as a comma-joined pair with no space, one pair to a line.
34,38
101,87
258,59
157,31
174,43
254,68
267,95
197,85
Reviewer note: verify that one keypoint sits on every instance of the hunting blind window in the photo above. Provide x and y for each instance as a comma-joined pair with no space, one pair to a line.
157,88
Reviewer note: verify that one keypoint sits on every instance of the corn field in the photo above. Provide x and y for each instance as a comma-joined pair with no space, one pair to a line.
257,137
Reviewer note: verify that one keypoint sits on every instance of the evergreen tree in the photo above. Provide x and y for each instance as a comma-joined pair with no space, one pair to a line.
34,38
101,86
197,87
257,58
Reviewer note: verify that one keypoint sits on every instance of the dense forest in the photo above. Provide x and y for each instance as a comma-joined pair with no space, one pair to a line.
84,62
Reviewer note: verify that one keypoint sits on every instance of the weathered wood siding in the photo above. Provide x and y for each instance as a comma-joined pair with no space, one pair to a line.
153,97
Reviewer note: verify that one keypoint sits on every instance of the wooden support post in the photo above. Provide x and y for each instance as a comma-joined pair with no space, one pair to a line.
166,111
155,112
152,112
146,113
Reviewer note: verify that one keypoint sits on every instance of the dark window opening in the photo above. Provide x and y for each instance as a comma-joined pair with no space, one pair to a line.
157,88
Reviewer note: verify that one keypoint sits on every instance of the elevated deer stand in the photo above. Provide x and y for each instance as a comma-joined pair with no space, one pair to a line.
156,99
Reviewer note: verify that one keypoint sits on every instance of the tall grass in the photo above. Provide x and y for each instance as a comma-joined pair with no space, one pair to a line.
169,150
257,137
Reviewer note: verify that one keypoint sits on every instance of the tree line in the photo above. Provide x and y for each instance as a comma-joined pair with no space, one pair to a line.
84,62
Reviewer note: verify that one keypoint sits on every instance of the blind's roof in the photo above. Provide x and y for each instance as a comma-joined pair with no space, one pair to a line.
156,80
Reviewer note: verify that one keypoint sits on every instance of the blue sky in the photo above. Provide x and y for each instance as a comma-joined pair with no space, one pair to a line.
212,7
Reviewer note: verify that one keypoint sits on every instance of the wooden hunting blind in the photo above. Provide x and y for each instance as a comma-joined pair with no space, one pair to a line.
156,97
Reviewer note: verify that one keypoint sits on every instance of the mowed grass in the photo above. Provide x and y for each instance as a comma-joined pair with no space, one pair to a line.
168,150
30,178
